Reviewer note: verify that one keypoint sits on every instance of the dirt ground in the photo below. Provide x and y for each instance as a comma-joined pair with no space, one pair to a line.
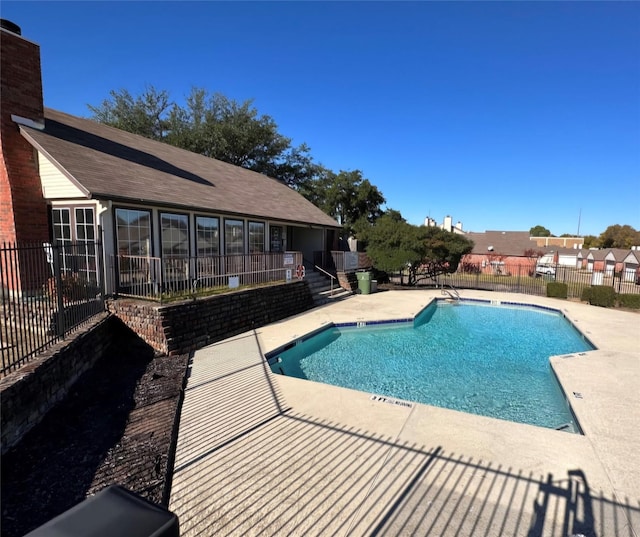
114,427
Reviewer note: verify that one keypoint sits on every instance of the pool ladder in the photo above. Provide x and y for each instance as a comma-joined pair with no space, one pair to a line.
451,291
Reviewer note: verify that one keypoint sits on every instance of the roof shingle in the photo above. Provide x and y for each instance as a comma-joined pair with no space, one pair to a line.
113,164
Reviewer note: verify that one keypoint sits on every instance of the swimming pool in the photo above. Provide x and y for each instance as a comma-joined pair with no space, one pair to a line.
480,358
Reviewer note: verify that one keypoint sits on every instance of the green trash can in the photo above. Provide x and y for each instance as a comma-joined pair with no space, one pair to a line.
364,282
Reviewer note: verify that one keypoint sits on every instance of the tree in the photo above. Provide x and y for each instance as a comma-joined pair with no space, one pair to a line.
346,196
540,231
590,241
618,236
214,126
146,114
423,252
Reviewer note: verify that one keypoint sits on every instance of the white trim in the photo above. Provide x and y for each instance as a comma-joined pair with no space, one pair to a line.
38,125
53,161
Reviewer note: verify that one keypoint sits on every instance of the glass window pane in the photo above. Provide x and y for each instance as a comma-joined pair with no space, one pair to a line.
133,232
207,236
175,235
233,237
256,237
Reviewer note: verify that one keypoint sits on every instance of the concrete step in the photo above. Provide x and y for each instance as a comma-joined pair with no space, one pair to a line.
320,287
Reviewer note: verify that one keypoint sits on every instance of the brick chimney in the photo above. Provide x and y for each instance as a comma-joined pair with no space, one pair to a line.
23,210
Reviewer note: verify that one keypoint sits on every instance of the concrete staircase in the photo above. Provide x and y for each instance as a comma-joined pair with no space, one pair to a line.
320,287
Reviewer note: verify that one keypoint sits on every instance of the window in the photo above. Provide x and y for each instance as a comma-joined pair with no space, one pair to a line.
233,237
61,225
133,232
207,236
175,235
86,235
74,230
256,237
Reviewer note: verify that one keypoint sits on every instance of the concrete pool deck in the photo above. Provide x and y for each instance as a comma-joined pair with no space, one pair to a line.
264,454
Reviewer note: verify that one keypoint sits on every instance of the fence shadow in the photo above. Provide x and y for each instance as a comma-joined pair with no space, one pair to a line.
255,467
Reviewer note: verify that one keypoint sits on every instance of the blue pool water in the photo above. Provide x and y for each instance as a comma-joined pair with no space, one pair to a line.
478,358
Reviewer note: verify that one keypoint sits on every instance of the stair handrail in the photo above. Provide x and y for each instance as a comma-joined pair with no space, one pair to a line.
453,293
316,267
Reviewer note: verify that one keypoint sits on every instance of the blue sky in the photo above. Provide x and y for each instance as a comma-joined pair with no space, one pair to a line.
504,115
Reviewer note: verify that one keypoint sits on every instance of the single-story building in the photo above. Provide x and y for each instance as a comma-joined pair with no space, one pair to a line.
68,179
502,252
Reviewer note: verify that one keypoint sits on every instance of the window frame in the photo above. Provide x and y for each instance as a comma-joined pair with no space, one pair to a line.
187,240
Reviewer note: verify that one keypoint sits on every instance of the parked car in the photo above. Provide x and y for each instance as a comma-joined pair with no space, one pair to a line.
545,270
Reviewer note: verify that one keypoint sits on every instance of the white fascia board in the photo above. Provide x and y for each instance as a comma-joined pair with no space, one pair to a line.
53,161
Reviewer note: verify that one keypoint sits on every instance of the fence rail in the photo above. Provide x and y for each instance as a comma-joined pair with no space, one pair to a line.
47,291
168,278
524,279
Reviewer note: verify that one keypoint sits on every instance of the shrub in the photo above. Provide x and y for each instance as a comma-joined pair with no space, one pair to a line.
557,290
74,287
629,301
586,294
469,268
602,295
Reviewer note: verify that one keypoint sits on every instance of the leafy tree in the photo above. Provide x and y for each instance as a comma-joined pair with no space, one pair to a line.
590,241
423,252
540,231
618,236
347,196
214,126
145,115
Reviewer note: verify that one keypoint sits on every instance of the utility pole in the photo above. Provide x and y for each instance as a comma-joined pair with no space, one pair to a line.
579,216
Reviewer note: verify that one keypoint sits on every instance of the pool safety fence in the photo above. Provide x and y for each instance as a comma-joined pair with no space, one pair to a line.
518,278
47,291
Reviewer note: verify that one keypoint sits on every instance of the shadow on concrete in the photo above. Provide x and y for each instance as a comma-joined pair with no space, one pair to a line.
252,466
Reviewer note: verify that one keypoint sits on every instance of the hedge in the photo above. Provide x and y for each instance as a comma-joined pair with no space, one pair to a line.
629,301
557,290
602,295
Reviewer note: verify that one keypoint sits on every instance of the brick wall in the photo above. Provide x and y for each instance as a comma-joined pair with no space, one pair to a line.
23,211
27,394
186,326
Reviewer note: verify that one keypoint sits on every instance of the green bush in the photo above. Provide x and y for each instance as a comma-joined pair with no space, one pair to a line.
602,295
629,301
586,294
557,290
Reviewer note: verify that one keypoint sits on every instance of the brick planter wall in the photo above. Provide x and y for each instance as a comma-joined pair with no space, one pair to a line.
27,394
186,326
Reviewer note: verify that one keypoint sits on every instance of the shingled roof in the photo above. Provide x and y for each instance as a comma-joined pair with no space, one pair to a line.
108,163
512,243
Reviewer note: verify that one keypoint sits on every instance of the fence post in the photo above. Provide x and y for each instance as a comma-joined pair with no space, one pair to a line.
58,250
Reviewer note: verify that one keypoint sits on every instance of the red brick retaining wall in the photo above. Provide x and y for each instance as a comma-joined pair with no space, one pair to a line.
186,326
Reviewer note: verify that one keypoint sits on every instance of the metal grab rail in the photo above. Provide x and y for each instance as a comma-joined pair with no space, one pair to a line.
330,276
453,292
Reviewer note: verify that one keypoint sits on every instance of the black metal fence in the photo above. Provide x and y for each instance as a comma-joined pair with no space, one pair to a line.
524,279
46,292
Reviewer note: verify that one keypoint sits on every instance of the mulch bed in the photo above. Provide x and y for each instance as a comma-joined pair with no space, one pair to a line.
116,426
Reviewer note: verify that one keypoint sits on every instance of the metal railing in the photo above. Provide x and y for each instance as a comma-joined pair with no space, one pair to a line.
47,291
320,269
524,279
171,278
338,261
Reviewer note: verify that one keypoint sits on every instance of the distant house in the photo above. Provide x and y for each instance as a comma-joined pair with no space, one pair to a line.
447,225
612,260
559,242
498,252
67,179
631,266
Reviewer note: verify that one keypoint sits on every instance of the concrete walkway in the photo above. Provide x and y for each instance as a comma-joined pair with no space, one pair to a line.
264,454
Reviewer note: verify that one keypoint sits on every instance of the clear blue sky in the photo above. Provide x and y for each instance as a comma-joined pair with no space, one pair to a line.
503,115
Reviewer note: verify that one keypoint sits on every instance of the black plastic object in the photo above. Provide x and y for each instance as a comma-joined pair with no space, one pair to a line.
113,511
